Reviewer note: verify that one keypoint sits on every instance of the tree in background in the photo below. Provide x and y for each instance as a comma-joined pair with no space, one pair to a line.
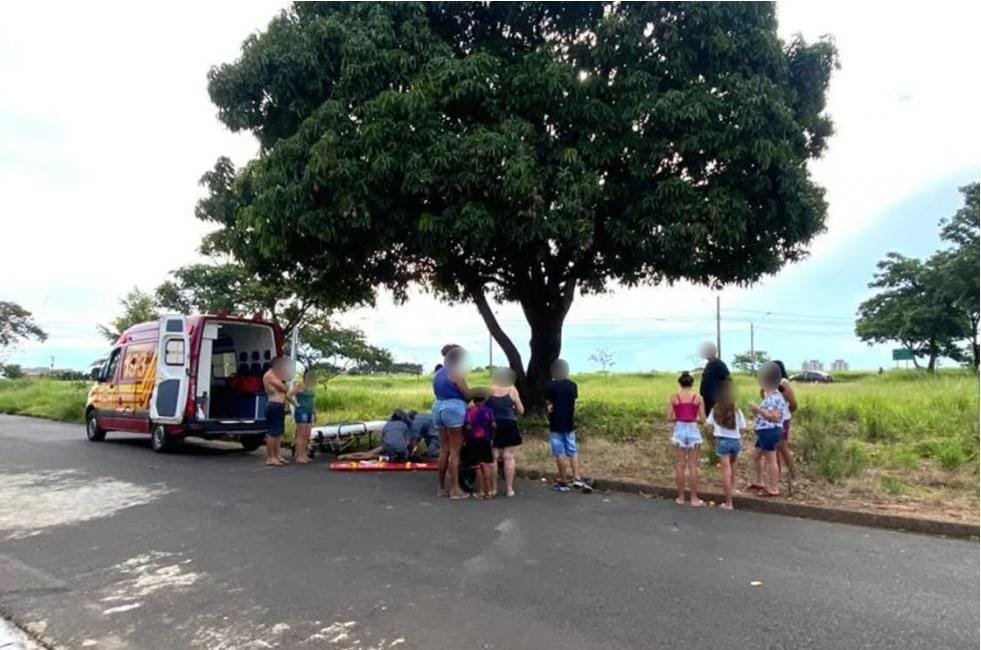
521,152
330,349
138,307
930,307
11,371
912,308
959,265
17,325
603,358
749,361
215,287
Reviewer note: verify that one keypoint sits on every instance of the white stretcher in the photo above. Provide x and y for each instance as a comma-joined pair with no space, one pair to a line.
338,437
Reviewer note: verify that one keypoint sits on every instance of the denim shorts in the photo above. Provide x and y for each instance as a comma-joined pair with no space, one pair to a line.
562,444
686,435
302,416
768,439
449,413
728,446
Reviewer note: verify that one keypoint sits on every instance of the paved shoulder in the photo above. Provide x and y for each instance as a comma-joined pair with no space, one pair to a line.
110,545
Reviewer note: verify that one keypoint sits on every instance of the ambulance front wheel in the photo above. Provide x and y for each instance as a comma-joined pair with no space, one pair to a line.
160,441
251,443
93,431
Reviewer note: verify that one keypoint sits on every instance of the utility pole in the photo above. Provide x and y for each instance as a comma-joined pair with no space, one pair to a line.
718,327
490,353
752,349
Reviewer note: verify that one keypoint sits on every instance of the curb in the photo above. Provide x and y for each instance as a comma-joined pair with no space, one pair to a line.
768,506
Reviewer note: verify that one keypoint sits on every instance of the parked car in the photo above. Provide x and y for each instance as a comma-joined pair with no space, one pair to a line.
179,376
813,377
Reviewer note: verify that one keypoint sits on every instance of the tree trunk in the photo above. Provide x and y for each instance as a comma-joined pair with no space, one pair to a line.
932,360
546,346
545,316
503,340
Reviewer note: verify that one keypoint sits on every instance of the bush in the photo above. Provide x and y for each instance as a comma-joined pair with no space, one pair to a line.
832,457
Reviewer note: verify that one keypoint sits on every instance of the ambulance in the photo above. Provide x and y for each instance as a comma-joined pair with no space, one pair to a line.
185,376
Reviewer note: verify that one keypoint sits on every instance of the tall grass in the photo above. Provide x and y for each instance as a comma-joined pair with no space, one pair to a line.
896,420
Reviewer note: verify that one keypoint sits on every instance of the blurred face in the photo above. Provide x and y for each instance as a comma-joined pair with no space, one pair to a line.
457,362
560,370
503,377
707,351
769,376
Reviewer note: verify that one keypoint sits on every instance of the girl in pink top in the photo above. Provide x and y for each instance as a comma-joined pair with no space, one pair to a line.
686,410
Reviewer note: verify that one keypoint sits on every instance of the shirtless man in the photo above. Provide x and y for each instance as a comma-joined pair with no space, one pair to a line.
276,390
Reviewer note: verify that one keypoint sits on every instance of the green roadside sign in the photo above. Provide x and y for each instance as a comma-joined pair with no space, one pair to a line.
902,354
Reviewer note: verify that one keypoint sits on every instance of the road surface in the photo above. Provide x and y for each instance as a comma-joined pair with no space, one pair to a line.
108,545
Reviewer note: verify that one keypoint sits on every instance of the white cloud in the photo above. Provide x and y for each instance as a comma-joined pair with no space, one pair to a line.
105,128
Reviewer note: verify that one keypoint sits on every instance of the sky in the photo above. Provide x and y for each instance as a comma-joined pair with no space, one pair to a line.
106,127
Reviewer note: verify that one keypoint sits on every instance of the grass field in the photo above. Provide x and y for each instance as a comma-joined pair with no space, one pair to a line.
904,441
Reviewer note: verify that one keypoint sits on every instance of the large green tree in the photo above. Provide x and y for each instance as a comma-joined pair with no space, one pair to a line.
931,306
912,308
521,152
960,265
138,307
210,288
17,324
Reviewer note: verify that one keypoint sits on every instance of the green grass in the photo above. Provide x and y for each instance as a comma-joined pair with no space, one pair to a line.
895,425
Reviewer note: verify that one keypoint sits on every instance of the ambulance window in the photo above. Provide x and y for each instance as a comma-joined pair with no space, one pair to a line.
110,370
174,352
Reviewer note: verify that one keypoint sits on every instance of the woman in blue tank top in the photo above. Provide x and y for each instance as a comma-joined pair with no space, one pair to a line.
449,411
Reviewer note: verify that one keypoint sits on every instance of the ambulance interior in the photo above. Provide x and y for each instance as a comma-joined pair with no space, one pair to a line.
233,358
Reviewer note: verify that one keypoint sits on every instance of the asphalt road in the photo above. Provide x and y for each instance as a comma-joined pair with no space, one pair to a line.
108,545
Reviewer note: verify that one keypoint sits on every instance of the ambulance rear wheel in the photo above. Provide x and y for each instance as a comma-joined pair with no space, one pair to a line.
250,443
93,431
160,441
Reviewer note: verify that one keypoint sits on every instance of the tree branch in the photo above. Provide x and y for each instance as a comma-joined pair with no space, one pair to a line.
494,327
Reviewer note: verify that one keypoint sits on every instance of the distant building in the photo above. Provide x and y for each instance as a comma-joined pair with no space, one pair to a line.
813,364
839,365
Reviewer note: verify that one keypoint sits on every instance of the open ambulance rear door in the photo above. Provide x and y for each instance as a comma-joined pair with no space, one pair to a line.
169,395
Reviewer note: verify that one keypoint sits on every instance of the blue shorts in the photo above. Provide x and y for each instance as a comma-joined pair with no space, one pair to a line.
728,446
562,444
768,439
275,419
302,416
449,413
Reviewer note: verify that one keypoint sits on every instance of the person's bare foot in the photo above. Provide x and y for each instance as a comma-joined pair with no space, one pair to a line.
510,493
726,506
680,501
302,461
460,496
696,502
442,493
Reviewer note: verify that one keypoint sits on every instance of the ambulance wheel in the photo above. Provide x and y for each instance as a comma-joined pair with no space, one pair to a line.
251,443
160,441
93,431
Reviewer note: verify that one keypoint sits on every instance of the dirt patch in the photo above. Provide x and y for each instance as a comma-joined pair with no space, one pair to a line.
934,494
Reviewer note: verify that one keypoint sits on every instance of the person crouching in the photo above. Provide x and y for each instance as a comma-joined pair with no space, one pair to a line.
395,437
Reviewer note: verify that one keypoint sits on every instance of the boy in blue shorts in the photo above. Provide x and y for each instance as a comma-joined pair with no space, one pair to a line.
560,400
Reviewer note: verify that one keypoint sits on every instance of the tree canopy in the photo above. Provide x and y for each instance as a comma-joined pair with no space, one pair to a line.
521,152
16,325
930,306
138,307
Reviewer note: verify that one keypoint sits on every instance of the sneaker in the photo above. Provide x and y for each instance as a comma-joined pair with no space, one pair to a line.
580,484
560,487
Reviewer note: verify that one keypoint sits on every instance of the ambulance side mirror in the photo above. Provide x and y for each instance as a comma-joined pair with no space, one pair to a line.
96,374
